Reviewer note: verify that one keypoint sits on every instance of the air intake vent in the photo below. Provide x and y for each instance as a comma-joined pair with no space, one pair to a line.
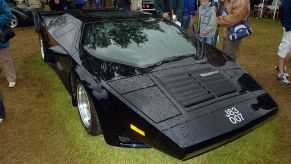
192,87
184,88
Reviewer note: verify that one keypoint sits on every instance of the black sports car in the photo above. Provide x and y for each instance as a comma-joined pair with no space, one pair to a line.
144,82
22,15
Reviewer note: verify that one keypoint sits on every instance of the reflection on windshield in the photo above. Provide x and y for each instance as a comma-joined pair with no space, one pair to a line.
117,33
136,42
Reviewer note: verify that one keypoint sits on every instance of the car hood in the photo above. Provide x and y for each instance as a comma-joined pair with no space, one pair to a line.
188,103
161,93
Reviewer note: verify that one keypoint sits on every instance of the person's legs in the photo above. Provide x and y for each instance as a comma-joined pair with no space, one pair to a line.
36,20
284,58
91,3
185,22
7,65
203,39
287,59
281,76
281,64
231,47
2,110
98,4
209,40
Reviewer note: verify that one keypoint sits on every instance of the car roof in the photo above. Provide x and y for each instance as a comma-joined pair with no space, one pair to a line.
92,15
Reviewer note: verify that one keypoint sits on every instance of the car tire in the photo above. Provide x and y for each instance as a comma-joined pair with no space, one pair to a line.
14,21
42,46
87,111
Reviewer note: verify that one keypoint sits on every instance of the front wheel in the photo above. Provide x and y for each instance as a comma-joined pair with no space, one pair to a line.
88,114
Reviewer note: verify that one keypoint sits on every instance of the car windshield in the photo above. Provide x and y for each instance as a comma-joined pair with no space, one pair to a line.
139,43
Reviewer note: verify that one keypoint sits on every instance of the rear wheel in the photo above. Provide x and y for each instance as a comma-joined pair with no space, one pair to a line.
88,114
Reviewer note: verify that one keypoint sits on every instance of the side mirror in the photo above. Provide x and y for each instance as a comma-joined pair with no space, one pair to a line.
57,50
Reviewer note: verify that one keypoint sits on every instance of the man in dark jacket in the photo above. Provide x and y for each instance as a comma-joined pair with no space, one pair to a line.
188,13
284,51
170,9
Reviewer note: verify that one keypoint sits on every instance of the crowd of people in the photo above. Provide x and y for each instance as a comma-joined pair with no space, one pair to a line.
212,14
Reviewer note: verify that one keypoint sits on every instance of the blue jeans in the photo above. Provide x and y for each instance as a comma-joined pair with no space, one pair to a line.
186,22
98,3
36,20
208,40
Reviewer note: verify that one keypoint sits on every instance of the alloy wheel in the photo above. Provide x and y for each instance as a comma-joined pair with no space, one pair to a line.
14,22
84,105
41,48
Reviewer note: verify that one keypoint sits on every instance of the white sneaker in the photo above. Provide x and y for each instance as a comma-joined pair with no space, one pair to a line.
12,84
1,120
285,71
282,79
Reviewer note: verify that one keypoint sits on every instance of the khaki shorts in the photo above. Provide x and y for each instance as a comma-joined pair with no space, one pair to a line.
285,45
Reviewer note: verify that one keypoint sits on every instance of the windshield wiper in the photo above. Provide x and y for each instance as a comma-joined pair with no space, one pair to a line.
169,59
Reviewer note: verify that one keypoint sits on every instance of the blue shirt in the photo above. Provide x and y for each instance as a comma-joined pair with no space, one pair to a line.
189,7
5,18
286,17
79,2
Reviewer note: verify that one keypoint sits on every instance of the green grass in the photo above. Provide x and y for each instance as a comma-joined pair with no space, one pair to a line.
63,139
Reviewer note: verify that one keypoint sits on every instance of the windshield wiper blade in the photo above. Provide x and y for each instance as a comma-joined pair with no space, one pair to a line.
170,59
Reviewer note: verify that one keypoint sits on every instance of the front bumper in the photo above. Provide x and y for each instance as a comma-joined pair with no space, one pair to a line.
219,127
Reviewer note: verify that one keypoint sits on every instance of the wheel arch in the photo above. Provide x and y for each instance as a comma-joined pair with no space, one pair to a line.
18,15
77,76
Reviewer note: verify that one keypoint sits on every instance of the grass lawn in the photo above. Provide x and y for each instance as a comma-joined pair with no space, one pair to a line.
43,127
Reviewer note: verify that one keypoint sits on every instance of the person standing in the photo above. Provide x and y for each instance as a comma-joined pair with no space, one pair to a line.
284,51
170,9
2,110
35,5
5,18
98,4
123,4
91,3
79,4
188,14
207,22
57,4
235,11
